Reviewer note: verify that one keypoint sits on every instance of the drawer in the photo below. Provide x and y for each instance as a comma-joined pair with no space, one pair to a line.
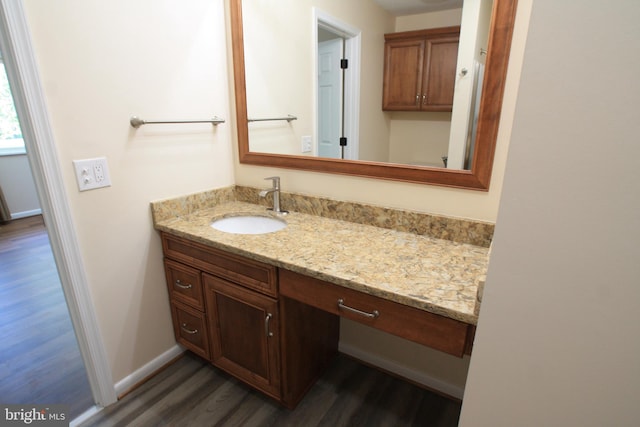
184,284
432,330
189,326
245,272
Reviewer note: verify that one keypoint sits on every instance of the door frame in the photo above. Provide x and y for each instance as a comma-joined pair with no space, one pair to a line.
353,41
15,42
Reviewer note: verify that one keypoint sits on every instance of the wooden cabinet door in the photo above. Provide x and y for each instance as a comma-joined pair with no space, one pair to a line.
244,333
440,74
420,69
403,62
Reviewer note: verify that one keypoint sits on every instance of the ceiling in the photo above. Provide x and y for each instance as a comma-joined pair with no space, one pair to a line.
409,7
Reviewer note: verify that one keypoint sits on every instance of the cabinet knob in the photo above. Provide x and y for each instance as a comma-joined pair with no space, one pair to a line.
424,99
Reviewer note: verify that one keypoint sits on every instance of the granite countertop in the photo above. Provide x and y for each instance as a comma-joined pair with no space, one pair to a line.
436,275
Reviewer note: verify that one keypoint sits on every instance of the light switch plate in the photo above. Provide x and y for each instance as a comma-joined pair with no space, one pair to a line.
306,144
92,173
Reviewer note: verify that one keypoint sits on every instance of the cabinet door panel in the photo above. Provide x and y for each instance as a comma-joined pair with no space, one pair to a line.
403,70
244,333
440,75
241,328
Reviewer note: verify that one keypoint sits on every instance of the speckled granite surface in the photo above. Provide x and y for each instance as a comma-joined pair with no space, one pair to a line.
437,275
441,227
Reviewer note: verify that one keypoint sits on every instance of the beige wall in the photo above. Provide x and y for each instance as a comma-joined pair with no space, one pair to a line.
280,71
101,62
420,21
279,76
557,342
419,138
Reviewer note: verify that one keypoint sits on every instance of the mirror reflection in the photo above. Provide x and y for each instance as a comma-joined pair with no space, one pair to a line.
320,81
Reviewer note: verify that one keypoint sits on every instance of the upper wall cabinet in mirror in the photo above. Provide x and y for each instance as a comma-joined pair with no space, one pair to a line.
358,88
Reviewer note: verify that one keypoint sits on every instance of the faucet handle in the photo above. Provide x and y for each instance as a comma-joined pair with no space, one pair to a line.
276,181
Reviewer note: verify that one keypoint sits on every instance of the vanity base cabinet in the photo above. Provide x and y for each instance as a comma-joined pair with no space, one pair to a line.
227,309
277,330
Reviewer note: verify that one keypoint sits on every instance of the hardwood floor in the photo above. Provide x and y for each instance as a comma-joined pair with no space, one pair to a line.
39,358
191,392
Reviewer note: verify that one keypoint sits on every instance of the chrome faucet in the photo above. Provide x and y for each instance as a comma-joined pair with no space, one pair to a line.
276,194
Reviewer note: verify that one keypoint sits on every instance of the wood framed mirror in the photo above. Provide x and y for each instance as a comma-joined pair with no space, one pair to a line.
490,106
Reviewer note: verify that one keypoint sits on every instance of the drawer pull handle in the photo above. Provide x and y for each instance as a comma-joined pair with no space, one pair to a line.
189,331
180,285
266,325
373,315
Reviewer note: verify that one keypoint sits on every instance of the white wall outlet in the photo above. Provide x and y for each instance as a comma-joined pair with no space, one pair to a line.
92,173
306,144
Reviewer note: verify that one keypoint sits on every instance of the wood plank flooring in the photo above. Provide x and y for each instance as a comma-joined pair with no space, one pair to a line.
193,393
39,358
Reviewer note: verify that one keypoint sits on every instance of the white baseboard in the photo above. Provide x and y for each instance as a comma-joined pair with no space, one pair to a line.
142,373
392,366
25,214
84,416
403,371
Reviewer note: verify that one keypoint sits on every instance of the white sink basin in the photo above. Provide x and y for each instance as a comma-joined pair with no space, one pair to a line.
248,224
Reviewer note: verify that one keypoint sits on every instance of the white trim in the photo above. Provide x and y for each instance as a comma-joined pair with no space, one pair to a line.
23,74
15,151
85,416
353,42
25,214
139,375
403,371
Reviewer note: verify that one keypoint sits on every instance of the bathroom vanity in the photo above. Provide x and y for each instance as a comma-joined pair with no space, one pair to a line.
228,310
266,307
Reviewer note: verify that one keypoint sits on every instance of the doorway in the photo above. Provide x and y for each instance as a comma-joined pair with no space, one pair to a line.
337,87
40,362
19,59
